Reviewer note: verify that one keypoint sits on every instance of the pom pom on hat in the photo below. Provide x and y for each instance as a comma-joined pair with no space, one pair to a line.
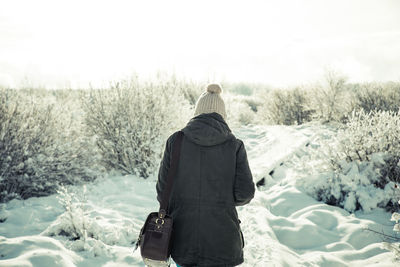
214,88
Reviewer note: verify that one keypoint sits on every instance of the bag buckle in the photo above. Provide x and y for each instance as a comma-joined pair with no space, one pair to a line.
159,225
162,221
161,213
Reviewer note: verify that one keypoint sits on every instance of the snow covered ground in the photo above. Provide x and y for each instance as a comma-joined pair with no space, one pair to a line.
282,226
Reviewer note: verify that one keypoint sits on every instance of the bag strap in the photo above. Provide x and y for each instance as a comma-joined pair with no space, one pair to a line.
171,173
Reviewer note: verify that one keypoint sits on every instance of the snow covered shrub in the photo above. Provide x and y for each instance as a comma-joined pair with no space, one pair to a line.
241,105
253,102
190,90
39,149
332,100
131,121
365,162
240,89
83,228
75,222
394,246
245,116
369,134
378,96
286,107
354,187
238,111
245,88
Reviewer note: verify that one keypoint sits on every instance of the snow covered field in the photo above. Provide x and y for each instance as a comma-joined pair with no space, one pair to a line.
282,226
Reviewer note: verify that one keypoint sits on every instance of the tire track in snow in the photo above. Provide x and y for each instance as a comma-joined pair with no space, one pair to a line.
268,147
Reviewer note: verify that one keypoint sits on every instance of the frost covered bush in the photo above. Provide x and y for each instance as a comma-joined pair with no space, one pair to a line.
131,121
240,89
287,107
332,99
394,246
378,96
190,90
83,228
245,88
354,187
241,105
238,111
365,161
253,102
39,146
74,221
369,134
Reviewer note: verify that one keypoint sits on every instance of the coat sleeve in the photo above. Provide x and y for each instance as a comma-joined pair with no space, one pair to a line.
163,170
244,186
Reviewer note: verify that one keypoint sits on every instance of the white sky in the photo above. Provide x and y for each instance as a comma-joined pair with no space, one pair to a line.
71,43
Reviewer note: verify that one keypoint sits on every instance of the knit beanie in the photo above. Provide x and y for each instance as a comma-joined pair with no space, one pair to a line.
211,101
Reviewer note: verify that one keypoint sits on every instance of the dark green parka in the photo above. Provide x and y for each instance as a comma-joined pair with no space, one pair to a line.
213,177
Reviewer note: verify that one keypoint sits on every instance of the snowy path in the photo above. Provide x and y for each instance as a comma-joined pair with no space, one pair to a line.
285,227
282,225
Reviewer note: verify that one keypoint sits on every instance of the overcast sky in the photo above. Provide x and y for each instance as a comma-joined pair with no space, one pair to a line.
71,43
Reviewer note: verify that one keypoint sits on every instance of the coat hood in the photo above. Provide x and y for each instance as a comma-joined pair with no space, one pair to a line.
208,129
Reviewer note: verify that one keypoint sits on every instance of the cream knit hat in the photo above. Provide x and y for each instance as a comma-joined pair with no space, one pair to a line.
211,101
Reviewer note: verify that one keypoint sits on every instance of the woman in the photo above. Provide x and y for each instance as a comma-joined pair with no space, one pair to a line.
213,177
